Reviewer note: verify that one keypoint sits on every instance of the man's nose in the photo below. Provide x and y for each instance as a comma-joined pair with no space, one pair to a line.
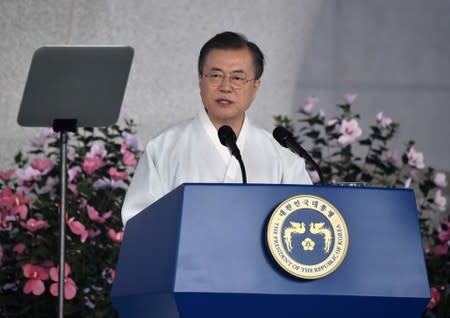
225,85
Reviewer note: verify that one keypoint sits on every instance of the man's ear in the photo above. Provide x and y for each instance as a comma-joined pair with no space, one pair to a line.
257,83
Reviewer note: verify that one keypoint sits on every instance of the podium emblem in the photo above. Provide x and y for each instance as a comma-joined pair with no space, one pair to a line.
307,236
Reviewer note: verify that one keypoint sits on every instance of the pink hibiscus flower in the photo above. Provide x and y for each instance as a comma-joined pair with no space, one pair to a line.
33,225
6,175
19,206
129,159
70,288
440,249
383,121
440,179
131,140
117,175
43,165
78,228
90,165
350,131
97,151
415,159
311,102
115,236
28,174
74,173
440,200
435,298
36,275
19,248
95,216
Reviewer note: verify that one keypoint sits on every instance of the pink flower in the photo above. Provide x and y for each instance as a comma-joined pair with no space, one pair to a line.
440,179
18,205
74,173
117,175
78,228
50,133
383,121
131,140
38,141
36,275
350,131
95,216
393,156
19,248
21,210
33,225
43,165
105,182
440,249
73,187
435,298
28,174
415,159
97,151
90,165
113,274
92,233
129,159
70,288
311,102
444,235
6,175
350,98
440,200
115,236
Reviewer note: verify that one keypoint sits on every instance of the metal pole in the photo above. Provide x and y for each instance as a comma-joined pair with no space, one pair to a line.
62,223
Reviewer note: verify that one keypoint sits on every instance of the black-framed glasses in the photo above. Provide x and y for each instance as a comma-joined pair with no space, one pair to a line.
236,81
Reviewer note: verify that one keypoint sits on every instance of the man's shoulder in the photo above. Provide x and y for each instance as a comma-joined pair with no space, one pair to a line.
172,134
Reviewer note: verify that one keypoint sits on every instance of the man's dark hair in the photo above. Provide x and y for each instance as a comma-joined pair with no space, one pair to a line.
232,41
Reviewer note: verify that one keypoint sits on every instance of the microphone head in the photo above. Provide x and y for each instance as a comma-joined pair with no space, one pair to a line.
281,135
226,133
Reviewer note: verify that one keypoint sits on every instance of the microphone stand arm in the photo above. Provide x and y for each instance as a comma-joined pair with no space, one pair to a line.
305,155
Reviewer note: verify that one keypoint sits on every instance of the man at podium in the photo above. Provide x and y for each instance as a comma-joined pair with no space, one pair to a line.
229,75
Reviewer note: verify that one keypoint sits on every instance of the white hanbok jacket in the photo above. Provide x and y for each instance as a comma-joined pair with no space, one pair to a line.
191,152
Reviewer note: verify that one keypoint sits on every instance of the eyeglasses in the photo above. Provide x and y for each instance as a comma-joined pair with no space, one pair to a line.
236,81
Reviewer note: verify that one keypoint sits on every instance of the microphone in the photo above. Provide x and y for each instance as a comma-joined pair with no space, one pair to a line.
287,140
227,138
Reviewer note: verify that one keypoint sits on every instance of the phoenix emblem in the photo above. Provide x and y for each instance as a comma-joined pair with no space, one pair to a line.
314,228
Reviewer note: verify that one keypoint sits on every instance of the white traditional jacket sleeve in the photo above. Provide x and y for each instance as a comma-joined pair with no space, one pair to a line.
191,152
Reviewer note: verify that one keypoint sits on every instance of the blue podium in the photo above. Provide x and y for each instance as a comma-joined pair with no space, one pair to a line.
201,251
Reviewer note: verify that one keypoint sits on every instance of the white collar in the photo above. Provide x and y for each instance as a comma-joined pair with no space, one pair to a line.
211,131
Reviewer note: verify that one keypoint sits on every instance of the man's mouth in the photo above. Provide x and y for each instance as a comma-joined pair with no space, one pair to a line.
224,101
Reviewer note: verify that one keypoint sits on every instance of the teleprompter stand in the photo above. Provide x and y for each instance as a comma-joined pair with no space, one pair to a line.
70,87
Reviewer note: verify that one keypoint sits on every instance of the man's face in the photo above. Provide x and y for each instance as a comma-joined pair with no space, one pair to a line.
226,103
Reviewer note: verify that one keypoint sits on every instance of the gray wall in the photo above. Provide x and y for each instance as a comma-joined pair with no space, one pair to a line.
395,54
167,36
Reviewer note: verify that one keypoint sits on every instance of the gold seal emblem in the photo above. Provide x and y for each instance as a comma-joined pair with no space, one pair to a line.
307,236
